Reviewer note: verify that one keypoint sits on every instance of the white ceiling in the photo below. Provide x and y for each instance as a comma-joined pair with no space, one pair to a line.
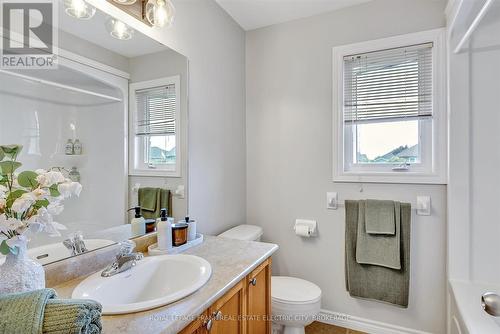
253,14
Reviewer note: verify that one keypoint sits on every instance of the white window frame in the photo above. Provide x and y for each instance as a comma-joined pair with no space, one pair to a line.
136,151
435,171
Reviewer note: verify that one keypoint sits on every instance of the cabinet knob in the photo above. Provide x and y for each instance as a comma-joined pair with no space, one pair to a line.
208,325
253,281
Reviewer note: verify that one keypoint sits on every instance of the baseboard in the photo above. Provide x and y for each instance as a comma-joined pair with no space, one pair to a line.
363,325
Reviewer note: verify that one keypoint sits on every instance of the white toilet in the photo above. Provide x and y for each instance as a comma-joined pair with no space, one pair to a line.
295,302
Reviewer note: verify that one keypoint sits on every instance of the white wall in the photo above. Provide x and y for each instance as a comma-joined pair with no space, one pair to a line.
475,100
289,159
155,66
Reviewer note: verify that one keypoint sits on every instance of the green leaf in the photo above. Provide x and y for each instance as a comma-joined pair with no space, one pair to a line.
13,196
8,167
11,150
4,248
27,179
54,192
2,155
43,203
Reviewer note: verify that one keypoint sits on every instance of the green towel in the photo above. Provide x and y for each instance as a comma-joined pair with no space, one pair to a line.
72,316
380,217
378,249
375,282
23,313
152,200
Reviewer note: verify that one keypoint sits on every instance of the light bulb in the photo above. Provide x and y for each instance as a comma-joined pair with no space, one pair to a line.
125,2
79,9
160,13
118,29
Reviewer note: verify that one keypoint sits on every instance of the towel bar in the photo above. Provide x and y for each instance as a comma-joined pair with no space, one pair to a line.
422,208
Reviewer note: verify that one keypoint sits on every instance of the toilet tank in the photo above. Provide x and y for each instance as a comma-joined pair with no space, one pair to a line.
244,232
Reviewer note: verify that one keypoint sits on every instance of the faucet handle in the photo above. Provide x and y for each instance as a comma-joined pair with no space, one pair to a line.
126,247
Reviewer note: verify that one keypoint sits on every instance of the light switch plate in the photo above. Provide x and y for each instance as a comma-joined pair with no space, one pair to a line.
332,199
423,205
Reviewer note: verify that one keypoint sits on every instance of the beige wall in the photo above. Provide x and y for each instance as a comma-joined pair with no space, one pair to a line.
289,158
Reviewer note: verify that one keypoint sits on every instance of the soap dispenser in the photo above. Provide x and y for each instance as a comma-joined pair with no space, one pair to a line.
164,229
138,223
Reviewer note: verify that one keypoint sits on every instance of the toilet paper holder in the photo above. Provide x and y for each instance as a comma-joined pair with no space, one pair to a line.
305,228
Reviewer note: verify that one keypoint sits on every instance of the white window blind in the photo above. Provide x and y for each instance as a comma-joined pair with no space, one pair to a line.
156,111
388,85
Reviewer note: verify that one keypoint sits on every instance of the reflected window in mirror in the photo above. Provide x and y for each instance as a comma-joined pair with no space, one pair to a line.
155,115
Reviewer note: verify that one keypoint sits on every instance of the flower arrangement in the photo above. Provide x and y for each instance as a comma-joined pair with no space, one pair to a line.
29,200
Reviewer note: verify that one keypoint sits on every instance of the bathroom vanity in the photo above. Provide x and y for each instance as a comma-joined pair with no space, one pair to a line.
245,308
236,299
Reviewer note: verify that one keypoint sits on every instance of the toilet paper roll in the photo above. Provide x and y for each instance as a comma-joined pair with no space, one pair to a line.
302,231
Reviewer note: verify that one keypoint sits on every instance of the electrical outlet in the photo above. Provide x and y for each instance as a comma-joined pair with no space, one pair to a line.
332,200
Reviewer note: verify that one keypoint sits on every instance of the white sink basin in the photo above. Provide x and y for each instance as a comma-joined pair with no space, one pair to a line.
57,251
155,281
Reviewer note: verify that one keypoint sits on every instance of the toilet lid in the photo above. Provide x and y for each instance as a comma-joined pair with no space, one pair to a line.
243,232
294,290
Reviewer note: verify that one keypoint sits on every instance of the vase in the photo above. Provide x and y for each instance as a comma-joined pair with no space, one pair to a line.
19,273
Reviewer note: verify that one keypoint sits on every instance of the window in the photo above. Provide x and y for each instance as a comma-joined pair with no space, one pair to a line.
389,111
155,109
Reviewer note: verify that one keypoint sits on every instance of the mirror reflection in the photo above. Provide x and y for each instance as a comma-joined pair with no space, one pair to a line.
111,117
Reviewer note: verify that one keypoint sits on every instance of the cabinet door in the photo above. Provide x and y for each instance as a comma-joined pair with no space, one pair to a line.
259,299
198,326
227,314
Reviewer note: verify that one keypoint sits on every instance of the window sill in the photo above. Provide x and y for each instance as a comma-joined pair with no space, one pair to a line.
154,173
390,177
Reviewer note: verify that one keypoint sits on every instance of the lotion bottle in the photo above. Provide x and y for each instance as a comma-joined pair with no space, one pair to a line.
138,223
164,229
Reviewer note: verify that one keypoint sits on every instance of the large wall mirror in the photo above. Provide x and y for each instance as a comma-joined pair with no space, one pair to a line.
113,117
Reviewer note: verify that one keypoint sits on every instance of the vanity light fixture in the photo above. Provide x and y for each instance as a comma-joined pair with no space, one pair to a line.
160,13
79,9
118,29
125,2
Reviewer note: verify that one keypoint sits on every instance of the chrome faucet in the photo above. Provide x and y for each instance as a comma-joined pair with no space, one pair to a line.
125,259
75,244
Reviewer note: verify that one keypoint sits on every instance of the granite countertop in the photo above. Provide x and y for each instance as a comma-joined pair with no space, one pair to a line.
231,261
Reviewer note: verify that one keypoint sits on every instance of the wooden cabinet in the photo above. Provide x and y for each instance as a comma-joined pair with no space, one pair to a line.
226,313
244,309
198,326
259,299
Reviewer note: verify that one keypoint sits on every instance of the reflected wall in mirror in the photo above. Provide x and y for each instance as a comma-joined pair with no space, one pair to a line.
113,116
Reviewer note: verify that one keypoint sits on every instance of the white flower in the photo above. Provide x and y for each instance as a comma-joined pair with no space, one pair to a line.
50,178
40,171
40,194
69,189
23,203
49,225
3,203
55,208
9,224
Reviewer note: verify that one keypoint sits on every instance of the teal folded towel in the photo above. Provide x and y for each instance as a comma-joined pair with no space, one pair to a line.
72,316
375,282
380,217
23,312
38,312
378,249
